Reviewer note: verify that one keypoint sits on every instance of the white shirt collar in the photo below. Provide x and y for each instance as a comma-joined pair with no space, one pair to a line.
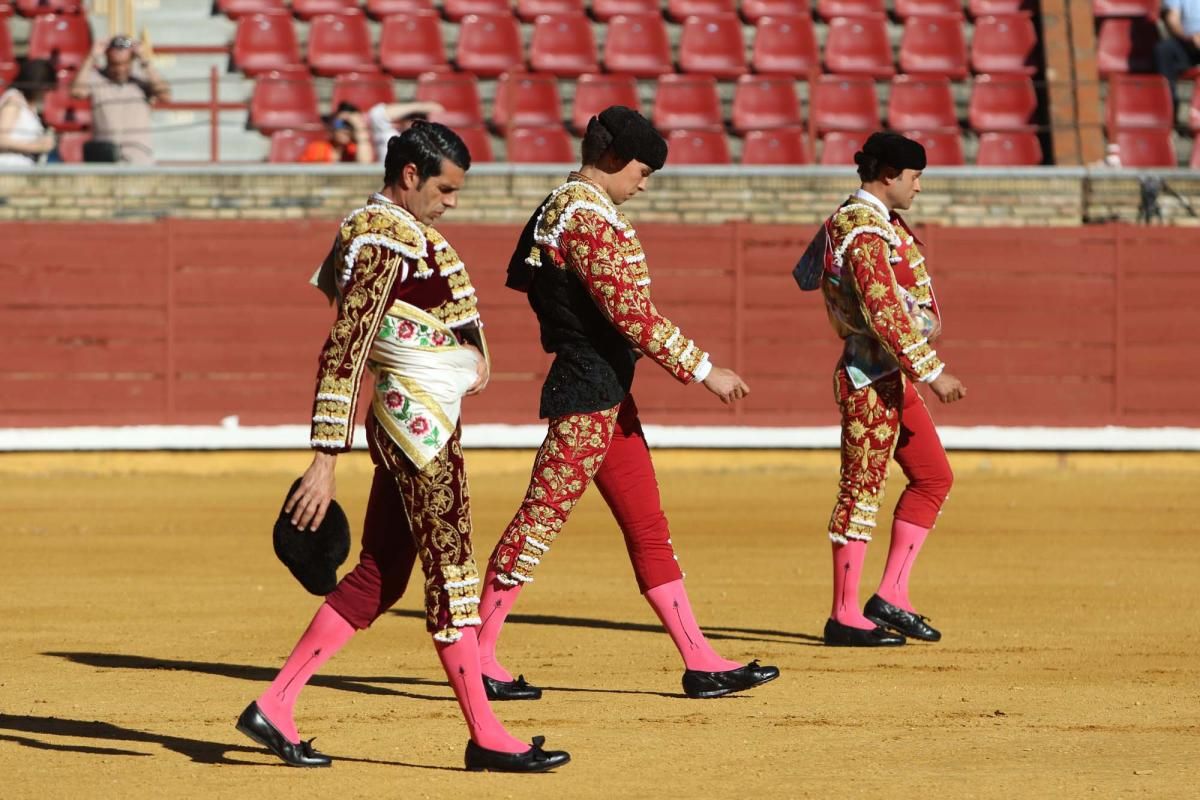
863,194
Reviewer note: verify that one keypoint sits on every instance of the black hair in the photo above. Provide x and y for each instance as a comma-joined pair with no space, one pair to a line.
596,141
424,145
346,107
870,168
36,75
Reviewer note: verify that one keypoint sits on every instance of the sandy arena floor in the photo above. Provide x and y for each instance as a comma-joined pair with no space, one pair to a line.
143,608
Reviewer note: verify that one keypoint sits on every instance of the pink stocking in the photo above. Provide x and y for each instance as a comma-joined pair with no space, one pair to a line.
906,545
461,661
497,600
670,602
848,562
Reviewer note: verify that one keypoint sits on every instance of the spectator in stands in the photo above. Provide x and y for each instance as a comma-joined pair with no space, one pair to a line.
392,119
24,140
349,140
1180,50
122,94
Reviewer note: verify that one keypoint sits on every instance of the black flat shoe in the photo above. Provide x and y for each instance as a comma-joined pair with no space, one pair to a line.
254,724
839,635
510,690
881,612
535,759
700,685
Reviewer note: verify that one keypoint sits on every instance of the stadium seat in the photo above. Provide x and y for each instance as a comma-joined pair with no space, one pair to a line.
1009,149
1139,101
264,42
844,103
605,10
310,9
1125,8
6,11
288,145
859,46
762,102
986,8
382,9
36,8
457,10
234,9
829,10
697,147
1146,148
362,89
563,45
339,43
284,99
1195,164
8,58
70,146
925,8
530,10
1125,45
489,45
838,147
942,148
785,45
934,46
687,101
637,44
550,145
478,142
1002,103
1005,44
526,100
458,94
775,146
921,103
64,39
680,10
594,93
411,44
713,45
754,10
65,113
1194,110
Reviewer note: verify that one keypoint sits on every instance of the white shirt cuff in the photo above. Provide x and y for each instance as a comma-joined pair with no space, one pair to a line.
933,376
702,371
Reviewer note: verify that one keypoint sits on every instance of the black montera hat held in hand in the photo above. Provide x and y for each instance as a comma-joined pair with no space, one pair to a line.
313,556
895,150
632,136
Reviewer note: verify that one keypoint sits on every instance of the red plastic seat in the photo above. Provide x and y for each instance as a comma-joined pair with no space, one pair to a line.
934,46
64,39
310,9
594,93
925,8
489,44
1125,8
284,99
637,45
754,10
265,42
478,142
985,8
605,10
1125,45
775,146
540,146
362,90
36,8
288,145
838,147
920,103
530,10
70,146
563,45
1139,101
1146,148
844,103
458,94
65,113
8,58
1195,164
1002,103
382,9
713,45
697,147
1005,43
761,102
684,102
942,148
235,9
411,44
526,100
340,43
458,10
859,46
1194,110
830,10
786,45
1009,149
680,10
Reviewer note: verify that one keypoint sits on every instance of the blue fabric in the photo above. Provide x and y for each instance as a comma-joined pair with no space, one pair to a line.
1189,12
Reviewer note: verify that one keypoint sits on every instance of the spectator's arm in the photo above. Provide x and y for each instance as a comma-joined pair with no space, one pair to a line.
1174,20
398,111
81,86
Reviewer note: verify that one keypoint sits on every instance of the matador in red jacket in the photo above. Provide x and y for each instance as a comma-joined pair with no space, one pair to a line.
580,262
880,301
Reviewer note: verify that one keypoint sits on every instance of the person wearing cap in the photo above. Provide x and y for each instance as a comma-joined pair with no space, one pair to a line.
880,301
348,142
406,311
584,270
122,94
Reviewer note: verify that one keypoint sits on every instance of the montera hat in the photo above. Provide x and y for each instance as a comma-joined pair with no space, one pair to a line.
313,556
631,136
898,152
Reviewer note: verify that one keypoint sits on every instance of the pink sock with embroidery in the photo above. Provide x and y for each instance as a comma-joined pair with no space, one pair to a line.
460,660
848,560
670,602
326,634
907,540
495,603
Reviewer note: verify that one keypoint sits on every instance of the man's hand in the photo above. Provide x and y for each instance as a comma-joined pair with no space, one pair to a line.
948,388
482,373
311,499
726,384
44,143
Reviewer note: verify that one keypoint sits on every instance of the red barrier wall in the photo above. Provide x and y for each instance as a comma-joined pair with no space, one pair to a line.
187,322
